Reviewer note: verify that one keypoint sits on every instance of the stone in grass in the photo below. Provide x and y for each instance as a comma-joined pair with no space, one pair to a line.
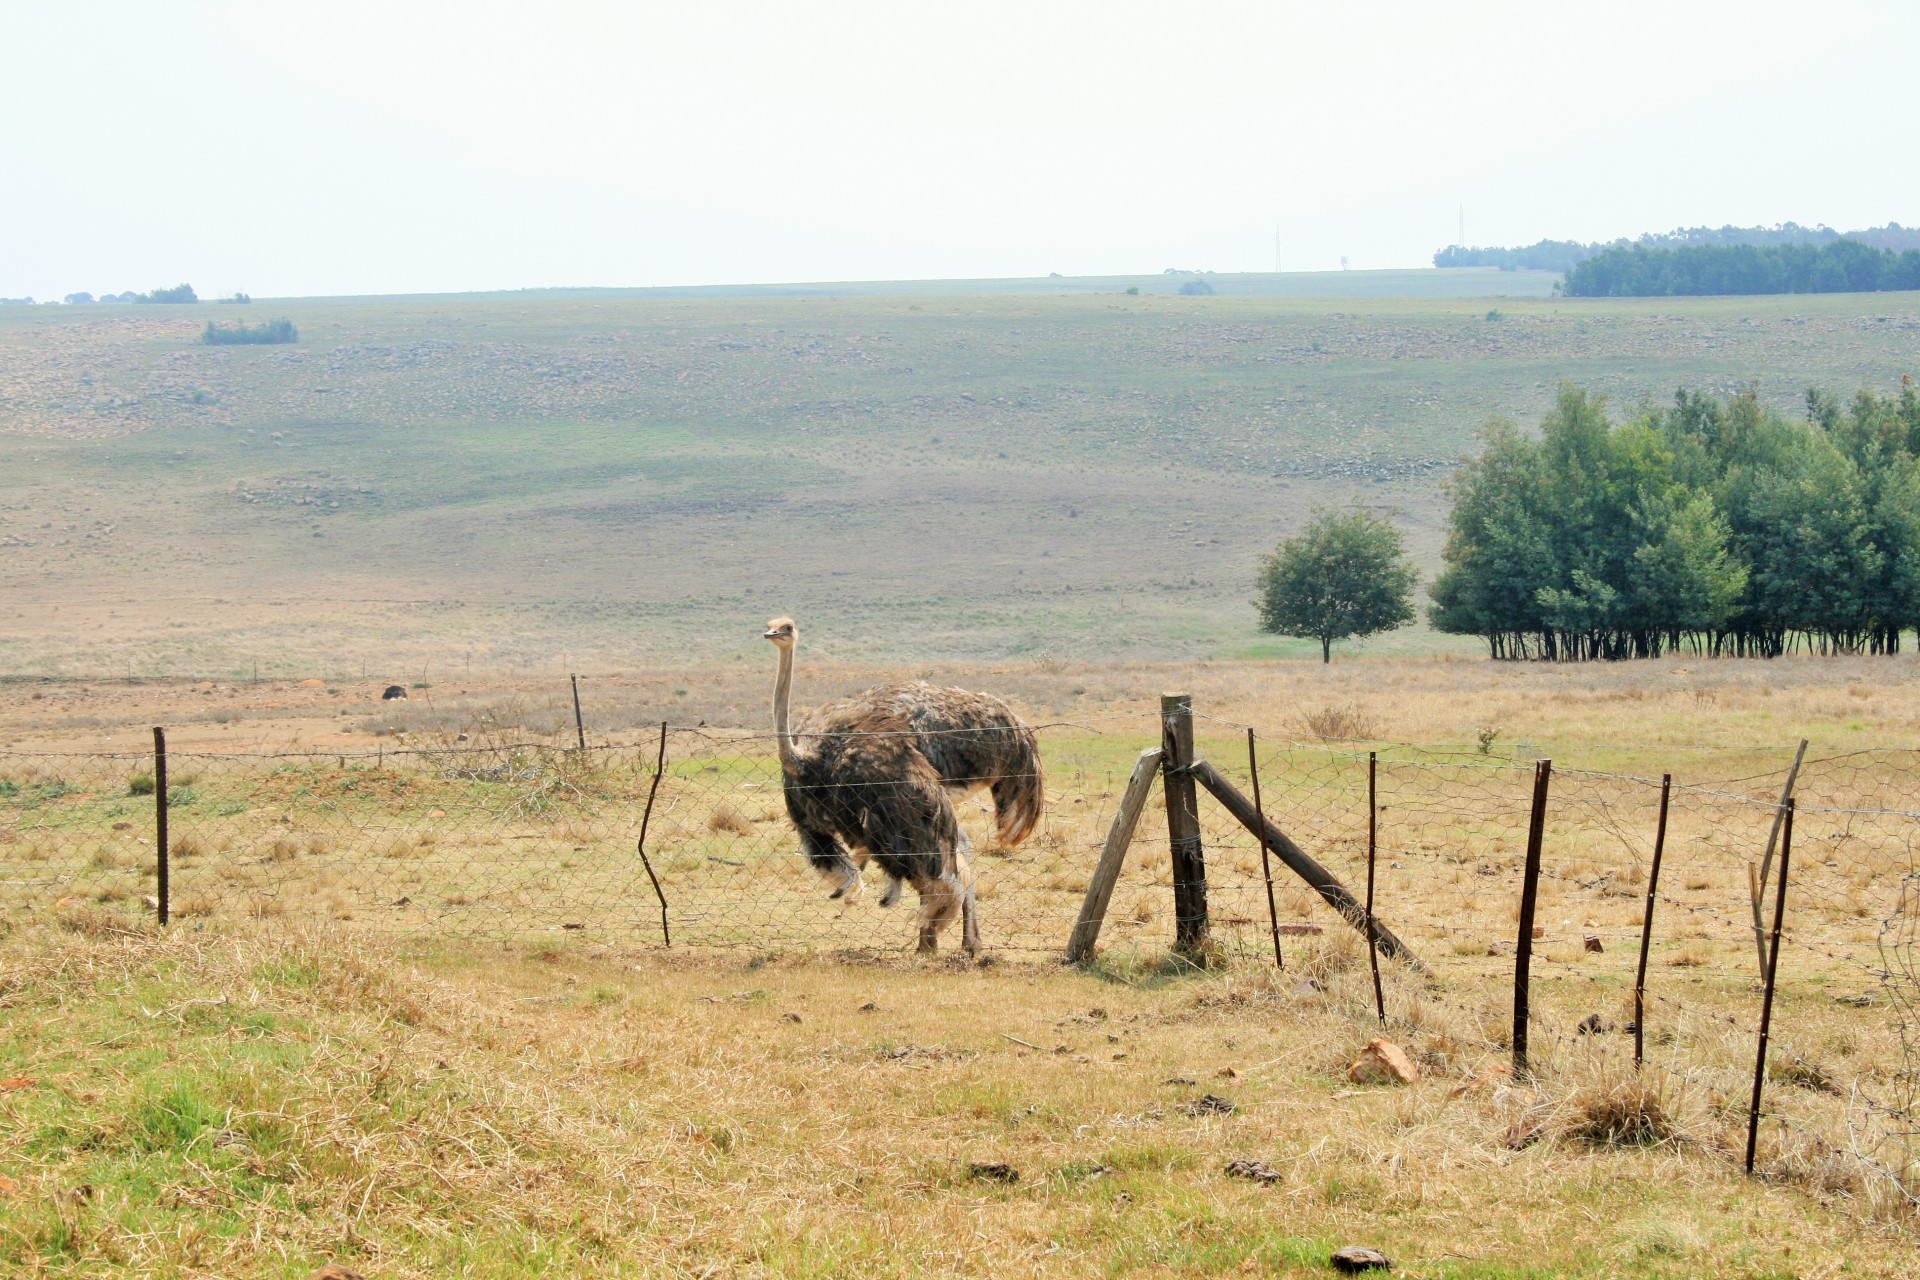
1383,1062
1208,1104
992,1171
1356,1258
334,1271
1253,1171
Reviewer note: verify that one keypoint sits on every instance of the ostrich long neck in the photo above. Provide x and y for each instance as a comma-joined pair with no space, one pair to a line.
782,691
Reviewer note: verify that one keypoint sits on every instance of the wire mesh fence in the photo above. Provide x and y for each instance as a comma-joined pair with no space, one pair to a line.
499,838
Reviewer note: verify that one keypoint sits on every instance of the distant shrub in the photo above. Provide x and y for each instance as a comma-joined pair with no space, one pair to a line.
76,298
140,784
1196,288
8,788
273,331
1133,291
179,293
238,297
181,797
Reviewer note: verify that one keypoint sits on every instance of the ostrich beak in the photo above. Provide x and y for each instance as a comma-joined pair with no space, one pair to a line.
769,635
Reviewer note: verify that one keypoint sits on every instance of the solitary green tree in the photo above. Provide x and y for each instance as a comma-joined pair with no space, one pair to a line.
1347,575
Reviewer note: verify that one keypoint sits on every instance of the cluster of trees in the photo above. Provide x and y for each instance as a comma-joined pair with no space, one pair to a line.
1563,255
1721,526
1843,266
179,293
243,334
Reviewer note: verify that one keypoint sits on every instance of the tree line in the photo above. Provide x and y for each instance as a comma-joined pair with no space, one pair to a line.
1841,266
1563,255
1717,526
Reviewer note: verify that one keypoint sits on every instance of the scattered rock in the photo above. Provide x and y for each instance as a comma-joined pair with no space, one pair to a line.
1253,1171
1860,1001
394,691
1229,1072
334,1271
1539,932
869,1007
1179,1080
573,924
1383,1062
1299,928
1592,943
1591,1025
789,1017
123,826
313,684
993,1171
1356,1258
1208,1104
7,1186
16,1082
1499,948
1308,987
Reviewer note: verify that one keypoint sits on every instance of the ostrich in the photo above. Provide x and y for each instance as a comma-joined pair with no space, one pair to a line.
872,775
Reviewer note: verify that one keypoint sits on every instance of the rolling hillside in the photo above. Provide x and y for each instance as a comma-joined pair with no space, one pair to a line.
606,479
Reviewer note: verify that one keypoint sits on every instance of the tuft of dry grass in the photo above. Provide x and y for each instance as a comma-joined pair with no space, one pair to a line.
1344,722
725,818
1622,1109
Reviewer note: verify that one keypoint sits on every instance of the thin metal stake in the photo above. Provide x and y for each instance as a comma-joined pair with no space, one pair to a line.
659,767
160,819
579,725
1529,892
1266,856
1373,833
1766,1001
1646,928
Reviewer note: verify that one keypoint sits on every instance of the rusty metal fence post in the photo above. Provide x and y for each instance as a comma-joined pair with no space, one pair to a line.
1646,927
1766,1002
160,889
1266,853
1529,894
1373,840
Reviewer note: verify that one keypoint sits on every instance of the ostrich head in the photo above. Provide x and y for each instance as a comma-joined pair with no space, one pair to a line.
782,633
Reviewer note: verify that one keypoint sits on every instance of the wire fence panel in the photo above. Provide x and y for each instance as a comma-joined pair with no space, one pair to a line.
494,838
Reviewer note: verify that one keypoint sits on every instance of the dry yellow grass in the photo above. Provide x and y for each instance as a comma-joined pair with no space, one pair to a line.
721,1118
257,1103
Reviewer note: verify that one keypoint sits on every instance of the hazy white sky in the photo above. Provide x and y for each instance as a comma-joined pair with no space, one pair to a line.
402,147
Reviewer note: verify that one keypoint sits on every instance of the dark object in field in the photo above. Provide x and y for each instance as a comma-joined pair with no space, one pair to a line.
1521,1135
1208,1104
993,1172
868,778
1592,943
1354,1258
1253,1171
394,691
1308,987
334,1271
1591,1025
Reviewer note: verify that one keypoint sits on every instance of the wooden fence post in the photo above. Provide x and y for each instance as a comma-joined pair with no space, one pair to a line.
1646,927
1298,861
1093,912
1766,1003
160,890
1529,893
1183,826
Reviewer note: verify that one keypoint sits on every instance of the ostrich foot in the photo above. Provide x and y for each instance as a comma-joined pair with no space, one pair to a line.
892,894
851,886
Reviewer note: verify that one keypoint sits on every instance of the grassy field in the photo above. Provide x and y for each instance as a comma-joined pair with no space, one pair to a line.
601,482
315,1063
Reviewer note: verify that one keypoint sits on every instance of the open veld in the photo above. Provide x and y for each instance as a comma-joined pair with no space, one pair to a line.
426,486
414,1013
